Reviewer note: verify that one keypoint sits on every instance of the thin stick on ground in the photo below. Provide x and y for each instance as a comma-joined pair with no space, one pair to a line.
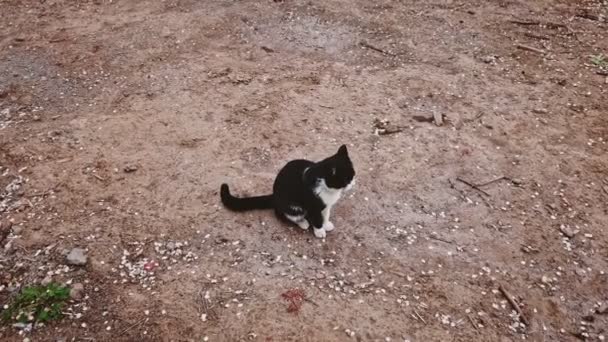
306,299
136,324
47,192
495,180
514,304
530,48
473,186
98,177
204,305
525,23
377,49
437,238
419,317
473,323
397,273
538,23
325,106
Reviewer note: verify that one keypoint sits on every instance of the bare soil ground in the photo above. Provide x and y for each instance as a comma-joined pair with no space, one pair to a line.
120,119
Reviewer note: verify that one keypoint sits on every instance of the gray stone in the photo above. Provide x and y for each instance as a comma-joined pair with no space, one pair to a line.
47,280
77,291
567,231
488,59
130,168
26,327
77,257
17,230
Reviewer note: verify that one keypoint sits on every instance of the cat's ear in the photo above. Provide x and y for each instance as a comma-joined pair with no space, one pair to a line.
342,151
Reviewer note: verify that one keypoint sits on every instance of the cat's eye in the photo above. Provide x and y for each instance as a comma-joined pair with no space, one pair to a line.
333,171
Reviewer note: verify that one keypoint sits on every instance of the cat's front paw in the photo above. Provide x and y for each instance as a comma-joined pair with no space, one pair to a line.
304,225
320,233
328,226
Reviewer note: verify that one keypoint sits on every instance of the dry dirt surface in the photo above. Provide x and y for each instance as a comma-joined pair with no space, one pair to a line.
478,130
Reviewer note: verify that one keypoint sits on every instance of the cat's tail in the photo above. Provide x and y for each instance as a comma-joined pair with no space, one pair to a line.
243,204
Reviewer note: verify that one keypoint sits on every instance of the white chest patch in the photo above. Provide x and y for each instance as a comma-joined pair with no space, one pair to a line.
328,195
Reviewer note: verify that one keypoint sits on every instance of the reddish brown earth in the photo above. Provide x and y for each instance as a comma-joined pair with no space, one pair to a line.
188,94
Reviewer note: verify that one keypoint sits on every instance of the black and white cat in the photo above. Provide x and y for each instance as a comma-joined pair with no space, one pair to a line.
304,192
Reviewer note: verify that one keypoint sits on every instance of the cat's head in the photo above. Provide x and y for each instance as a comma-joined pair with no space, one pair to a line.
338,171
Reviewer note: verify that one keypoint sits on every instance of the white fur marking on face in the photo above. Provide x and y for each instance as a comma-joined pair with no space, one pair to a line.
328,195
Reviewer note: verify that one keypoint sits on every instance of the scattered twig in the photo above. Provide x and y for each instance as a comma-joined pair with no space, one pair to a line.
529,249
473,186
473,322
47,192
542,324
525,23
438,118
136,324
420,118
478,116
389,130
514,304
398,273
203,303
530,48
98,177
534,23
419,317
311,301
433,237
494,181
589,16
377,49
325,106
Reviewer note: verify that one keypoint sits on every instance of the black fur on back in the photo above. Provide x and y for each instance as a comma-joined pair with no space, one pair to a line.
295,185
